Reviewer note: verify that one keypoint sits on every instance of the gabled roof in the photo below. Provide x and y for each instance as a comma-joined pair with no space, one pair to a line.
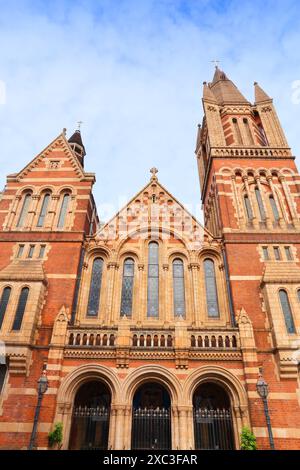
193,234
225,91
59,141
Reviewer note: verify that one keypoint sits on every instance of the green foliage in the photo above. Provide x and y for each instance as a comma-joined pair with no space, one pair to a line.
55,437
248,440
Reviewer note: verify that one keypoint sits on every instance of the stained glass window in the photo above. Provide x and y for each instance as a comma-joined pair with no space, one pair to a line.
211,289
63,211
287,312
20,309
44,210
260,204
3,303
153,280
178,288
127,287
248,208
95,288
24,210
274,208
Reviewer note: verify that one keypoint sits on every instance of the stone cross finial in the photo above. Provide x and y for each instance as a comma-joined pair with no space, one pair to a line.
153,171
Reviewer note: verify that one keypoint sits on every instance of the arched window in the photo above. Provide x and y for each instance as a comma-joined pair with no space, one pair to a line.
3,303
287,312
63,211
153,280
248,207
260,204
95,288
274,208
248,131
211,289
127,287
24,210
44,210
238,135
298,292
20,309
178,288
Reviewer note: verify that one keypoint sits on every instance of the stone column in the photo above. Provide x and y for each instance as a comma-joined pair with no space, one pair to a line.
289,200
264,203
281,220
112,427
167,288
11,217
253,206
183,427
175,428
112,268
194,267
32,212
237,203
119,427
53,210
141,294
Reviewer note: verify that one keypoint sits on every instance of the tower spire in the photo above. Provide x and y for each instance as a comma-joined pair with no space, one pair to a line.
225,90
76,144
260,95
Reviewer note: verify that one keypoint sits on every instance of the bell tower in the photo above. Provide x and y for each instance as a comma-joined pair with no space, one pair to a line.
246,168
250,189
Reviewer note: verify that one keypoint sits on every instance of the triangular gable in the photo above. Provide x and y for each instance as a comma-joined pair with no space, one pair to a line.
154,209
60,142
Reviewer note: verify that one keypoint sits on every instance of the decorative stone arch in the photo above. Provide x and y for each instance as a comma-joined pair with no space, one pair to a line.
71,384
233,387
161,375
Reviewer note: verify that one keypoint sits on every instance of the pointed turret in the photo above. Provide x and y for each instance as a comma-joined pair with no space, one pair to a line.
260,95
225,90
208,94
76,144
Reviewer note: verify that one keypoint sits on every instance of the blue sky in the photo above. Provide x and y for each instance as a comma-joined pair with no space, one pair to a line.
132,71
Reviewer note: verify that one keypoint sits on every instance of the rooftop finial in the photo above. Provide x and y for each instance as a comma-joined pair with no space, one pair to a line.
153,171
79,125
216,63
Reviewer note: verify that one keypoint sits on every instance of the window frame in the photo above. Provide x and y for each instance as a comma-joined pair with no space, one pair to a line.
178,261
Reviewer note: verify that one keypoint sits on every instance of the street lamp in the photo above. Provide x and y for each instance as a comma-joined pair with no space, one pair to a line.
263,391
42,389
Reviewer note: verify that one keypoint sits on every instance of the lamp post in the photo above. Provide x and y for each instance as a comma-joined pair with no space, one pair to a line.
42,388
263,391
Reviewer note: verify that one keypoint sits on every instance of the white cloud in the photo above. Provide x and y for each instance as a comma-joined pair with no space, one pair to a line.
133,72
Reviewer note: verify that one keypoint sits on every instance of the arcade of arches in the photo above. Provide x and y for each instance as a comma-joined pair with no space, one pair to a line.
151,411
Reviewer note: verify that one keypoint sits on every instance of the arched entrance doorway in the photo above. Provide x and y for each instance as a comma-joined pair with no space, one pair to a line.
151,418
212,418
90,417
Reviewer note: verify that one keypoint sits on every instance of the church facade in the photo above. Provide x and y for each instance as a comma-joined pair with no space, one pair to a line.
152,330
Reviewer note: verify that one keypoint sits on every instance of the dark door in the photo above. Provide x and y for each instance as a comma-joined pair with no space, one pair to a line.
151,420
